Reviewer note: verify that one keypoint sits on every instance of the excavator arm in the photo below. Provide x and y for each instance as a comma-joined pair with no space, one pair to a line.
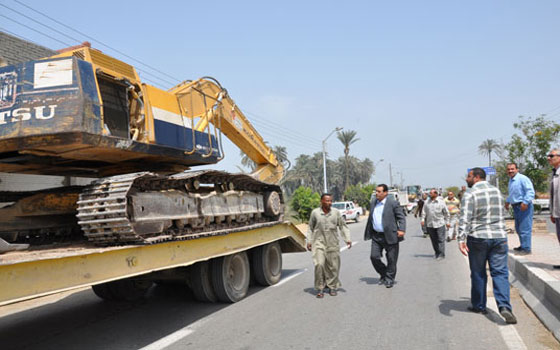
206,102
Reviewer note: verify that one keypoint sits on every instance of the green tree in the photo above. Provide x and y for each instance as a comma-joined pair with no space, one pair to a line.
347,137
281,154
529,147
487,147
361,194
308,171
303,201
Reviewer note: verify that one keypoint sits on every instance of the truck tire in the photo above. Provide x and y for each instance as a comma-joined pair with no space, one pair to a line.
267,264
129,289
103,291
230,277
201,282
357,219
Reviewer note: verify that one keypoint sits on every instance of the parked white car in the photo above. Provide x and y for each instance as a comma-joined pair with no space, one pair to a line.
541,204
349,210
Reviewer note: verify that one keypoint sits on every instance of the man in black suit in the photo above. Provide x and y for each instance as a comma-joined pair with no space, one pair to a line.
385,227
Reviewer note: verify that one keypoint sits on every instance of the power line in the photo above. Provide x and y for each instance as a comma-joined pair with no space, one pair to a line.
91,38
278,125
288,140
286,135
18,36
44,25
35,30
78,41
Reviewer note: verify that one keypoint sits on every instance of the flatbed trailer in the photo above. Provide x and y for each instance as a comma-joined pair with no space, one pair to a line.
215,267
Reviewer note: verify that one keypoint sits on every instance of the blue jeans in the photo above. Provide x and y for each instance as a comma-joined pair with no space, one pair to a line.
495,252
523,225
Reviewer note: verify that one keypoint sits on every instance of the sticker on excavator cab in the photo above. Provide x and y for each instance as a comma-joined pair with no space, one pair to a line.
8,84
52,73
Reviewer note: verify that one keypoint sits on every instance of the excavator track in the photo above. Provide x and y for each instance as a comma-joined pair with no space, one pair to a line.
146,208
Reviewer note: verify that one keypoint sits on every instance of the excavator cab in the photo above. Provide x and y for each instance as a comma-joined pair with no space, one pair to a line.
83,113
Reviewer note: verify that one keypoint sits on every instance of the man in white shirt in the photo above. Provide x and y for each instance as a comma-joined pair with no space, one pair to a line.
435,216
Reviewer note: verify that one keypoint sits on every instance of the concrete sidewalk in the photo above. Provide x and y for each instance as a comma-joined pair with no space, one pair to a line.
534,276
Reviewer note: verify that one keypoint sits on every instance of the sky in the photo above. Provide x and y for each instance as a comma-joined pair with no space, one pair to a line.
423,83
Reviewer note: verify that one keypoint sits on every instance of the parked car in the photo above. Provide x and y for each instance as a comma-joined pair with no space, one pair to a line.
541,204
349,210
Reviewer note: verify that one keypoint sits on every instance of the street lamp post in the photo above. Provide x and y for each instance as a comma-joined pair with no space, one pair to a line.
325,158
375,165
390,176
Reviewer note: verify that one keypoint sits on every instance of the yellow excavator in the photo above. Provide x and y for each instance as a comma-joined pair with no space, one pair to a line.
83,113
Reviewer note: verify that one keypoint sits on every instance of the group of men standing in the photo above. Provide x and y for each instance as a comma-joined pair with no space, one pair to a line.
476,221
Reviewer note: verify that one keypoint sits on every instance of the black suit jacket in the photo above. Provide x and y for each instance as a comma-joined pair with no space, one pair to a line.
393,220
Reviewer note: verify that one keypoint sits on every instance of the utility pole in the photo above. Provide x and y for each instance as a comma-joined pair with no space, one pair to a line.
390,176
325,158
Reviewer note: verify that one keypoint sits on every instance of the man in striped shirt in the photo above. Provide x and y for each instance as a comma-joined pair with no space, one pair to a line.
482,237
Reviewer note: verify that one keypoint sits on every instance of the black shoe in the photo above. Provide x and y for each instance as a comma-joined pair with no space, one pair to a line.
381,281
523,252
477,311
517,248
556,267
389,284
508,315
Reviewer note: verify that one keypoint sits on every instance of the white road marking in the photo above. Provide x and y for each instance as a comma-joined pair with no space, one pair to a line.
508,332
170,339
346,247
293,275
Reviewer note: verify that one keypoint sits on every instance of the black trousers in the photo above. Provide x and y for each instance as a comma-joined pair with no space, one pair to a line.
378,244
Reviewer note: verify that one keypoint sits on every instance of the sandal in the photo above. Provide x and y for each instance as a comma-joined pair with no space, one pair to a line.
320,295
333,293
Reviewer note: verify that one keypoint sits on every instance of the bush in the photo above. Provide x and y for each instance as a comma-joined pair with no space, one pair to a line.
304,200
360,194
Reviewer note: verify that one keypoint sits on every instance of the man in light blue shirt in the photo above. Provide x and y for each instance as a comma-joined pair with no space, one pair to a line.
378,215
521,195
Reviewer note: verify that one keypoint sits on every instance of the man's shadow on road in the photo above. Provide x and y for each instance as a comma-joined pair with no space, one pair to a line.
313,291
446,307
370,280
431,256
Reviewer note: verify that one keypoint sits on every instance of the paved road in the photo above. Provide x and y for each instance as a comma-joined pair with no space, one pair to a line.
425,310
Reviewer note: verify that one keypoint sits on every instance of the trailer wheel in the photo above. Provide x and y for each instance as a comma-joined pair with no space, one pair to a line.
267,264
129,289
103,291
230,277
201,282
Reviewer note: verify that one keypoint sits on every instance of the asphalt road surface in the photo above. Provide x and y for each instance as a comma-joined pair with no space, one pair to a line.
427,309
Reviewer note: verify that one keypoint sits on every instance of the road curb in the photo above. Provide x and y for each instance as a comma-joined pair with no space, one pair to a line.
540,291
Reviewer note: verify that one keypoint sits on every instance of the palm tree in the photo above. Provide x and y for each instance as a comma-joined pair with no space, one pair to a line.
246,161
282,156
347,138
487,147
